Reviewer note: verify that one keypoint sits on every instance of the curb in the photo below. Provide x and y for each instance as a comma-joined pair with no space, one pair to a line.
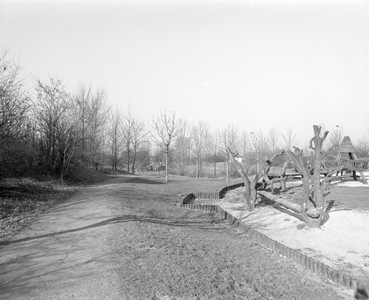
280,249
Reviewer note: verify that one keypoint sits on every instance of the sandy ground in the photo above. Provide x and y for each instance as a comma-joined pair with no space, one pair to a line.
342,242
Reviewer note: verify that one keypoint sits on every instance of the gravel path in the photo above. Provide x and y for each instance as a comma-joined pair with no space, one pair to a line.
124,239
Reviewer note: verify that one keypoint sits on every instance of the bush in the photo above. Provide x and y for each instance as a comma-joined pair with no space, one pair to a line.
15,157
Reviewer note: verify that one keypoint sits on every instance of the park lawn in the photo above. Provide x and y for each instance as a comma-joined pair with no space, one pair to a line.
176,253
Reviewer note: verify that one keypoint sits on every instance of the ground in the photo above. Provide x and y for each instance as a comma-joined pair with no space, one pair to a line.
342,242
127,239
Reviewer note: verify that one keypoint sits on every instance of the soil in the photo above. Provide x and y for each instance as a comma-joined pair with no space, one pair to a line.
124,239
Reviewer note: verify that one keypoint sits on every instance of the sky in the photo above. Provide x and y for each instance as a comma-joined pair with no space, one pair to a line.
252,64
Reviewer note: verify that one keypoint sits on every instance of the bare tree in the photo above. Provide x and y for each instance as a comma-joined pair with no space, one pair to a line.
165,128
97,123
273,136
53,102
115,132
362,148
158,158
335,139
57,126
92,115
289,138
68,140
14,115
214,151
200,142
245,147
82,103
143,158
314,188
259,146
138,140
14,103
134,136
182,145
127,135
228,140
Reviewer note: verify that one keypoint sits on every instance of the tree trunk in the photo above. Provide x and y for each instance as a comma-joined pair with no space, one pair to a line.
313,217
182,165
128,159
133,165
227,166
166,165
250,185
318,193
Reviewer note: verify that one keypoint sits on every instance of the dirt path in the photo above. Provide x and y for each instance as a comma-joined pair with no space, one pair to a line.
63,254
123,239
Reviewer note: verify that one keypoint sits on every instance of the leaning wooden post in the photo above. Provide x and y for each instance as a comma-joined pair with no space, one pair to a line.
250,190
316,145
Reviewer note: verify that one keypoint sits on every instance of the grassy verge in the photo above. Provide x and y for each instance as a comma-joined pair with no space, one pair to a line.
22,199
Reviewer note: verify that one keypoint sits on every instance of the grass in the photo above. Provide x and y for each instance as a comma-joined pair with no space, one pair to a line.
22,199
175,253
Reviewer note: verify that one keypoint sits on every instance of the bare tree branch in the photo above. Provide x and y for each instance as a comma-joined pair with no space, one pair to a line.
165,128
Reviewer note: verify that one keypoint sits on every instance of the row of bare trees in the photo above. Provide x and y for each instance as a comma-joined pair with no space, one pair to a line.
53,129
14,107
196,144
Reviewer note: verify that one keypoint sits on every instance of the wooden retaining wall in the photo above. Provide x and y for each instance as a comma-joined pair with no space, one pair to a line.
228,188
189,198
206,196
280,249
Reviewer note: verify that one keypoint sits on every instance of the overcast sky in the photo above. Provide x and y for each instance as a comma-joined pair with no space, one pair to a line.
253,64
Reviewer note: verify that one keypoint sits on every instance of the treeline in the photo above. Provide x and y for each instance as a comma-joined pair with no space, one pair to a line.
53,129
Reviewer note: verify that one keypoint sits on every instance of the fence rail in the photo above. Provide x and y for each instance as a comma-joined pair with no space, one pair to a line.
344,164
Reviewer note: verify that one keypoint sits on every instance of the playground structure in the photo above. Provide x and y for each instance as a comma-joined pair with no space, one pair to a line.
346,163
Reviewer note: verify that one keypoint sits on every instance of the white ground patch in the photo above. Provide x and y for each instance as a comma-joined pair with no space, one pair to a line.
342,242
352,184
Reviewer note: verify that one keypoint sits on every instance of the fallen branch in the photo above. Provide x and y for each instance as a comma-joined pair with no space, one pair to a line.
290,205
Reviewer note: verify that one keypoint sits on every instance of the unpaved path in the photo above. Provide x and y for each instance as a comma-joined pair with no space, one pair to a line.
65,253
124,239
